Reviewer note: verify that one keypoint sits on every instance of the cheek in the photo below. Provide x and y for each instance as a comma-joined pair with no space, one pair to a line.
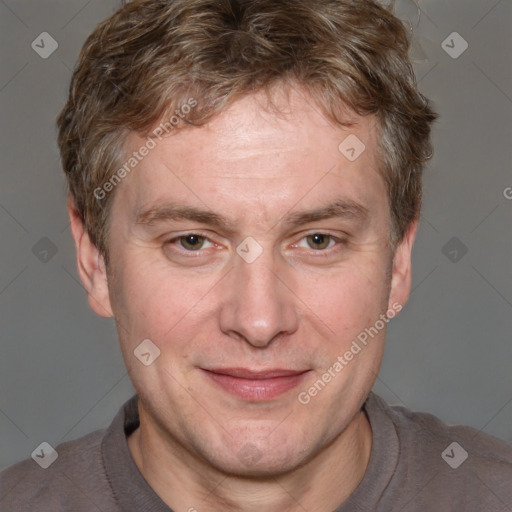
151,301
349,299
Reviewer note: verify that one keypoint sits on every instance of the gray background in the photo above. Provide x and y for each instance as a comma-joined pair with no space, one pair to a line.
449,353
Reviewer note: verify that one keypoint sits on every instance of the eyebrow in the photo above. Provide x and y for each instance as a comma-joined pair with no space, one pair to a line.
340,208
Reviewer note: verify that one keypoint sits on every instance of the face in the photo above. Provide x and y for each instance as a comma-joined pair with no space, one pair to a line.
255,255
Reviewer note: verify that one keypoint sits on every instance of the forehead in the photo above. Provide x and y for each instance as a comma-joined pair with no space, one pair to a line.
270,122
263,156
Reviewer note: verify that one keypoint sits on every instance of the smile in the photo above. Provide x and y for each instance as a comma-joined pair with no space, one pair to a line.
256,386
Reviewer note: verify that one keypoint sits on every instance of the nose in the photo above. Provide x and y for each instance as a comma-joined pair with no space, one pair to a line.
258,306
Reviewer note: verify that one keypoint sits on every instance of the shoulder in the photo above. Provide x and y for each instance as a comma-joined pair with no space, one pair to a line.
455,464
427,430
75,480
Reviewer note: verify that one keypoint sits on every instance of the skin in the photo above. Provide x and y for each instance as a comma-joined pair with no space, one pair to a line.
297,306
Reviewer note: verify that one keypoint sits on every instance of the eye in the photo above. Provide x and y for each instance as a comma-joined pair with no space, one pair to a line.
318,241
192,242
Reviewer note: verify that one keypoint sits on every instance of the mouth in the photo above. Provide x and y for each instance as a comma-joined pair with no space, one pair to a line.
255,386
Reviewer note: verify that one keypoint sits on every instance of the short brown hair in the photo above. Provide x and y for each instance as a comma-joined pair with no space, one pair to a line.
152,56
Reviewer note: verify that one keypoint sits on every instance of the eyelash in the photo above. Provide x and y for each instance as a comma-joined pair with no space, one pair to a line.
318,252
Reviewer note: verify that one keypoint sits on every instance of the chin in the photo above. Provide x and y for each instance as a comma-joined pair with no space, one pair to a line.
246,458
266,466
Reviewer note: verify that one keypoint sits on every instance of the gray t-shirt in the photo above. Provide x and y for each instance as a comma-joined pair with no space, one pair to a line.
417,464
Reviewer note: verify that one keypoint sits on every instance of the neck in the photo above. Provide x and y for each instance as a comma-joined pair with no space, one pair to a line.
185,482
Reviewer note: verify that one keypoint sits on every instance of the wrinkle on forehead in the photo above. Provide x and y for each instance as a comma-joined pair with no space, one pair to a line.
252,127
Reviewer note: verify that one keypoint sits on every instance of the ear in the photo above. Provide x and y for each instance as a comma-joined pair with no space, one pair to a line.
91,265
402,268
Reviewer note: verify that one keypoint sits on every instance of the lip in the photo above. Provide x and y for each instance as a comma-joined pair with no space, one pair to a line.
254,385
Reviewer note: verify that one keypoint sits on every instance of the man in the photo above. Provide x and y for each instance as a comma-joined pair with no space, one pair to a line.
245,187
